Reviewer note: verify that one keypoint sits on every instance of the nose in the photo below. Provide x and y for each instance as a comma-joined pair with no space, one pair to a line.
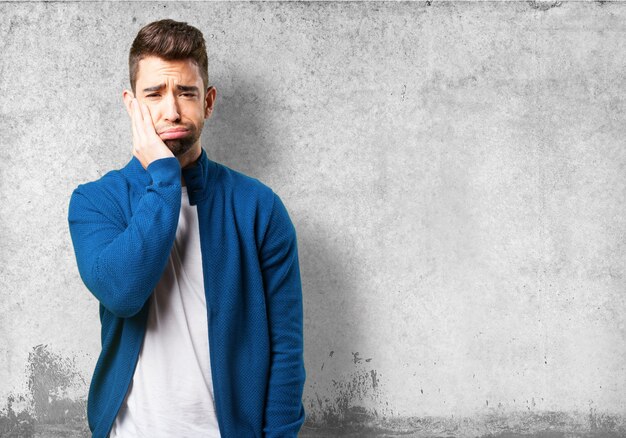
170,108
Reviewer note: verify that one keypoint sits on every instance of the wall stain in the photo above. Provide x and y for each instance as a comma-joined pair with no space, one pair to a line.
356,405
50,377
374,379
16,424
501,425
343,406
544,5
48,409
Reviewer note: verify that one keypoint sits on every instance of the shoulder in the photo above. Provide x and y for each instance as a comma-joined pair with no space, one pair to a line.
254,199
112,182
245,189
105,194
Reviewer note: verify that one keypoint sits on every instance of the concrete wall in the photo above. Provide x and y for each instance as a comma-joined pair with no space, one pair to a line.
456,173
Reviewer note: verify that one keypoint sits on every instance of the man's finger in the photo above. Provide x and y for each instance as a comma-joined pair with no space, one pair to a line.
147,118
138,120
132,123
134,105
137,111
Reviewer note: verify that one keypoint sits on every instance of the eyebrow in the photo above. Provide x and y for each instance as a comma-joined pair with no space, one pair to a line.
180,87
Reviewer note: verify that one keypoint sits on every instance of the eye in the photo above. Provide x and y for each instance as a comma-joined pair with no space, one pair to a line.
184,94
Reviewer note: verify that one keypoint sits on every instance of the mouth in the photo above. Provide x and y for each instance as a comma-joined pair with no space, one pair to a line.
174,133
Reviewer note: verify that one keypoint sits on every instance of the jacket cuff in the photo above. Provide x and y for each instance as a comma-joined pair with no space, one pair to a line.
165,170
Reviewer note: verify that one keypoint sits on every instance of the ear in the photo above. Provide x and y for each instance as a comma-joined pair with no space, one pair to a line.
209,101
128,97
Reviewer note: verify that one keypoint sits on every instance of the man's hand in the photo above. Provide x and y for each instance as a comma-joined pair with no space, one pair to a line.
147,145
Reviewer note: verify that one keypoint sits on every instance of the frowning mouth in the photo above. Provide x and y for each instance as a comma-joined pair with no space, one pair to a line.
174,133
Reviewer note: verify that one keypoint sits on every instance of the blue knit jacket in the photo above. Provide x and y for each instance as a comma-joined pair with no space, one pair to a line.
123,226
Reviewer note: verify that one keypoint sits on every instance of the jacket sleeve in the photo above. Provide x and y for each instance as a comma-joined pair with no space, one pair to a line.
284,410
122,263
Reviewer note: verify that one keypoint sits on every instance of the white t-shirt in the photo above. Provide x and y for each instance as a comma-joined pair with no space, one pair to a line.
171,394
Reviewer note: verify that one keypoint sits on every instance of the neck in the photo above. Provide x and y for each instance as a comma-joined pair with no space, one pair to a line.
189,159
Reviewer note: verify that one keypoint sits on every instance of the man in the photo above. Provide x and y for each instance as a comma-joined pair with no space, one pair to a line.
195,268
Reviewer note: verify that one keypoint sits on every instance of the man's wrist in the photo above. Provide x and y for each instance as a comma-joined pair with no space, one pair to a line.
165,170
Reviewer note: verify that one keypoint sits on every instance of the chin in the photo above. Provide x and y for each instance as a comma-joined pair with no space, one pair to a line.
178,147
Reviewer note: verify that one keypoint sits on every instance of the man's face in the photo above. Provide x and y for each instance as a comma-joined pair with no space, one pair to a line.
174,93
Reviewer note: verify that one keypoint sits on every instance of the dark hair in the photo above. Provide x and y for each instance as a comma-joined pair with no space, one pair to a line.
170,40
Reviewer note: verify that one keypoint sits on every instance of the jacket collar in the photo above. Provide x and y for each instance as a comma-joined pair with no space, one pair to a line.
197,177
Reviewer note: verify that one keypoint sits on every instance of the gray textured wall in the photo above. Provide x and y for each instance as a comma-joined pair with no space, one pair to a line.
455,172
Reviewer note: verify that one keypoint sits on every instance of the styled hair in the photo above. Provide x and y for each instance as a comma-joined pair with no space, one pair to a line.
170,40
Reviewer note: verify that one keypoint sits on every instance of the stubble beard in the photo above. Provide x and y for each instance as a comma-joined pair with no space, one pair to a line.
180,146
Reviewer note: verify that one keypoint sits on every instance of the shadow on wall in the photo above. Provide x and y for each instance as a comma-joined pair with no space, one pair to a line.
247,137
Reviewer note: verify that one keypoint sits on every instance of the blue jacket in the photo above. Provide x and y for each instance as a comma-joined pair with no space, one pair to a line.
123,226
